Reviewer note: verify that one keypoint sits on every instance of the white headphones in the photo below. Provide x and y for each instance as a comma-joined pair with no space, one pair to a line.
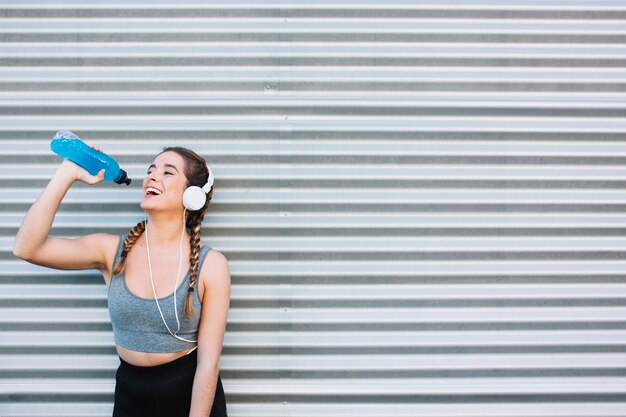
194,197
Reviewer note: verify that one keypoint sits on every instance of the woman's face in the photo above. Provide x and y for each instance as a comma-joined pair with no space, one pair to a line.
165,183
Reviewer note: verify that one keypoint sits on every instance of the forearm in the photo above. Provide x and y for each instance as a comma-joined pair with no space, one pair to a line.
38,220
203,394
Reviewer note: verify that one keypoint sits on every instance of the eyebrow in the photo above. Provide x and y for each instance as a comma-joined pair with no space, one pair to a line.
165,165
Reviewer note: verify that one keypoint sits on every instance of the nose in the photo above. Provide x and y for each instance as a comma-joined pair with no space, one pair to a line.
152,177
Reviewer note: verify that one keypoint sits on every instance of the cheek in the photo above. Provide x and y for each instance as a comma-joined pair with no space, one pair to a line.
180,186
176,190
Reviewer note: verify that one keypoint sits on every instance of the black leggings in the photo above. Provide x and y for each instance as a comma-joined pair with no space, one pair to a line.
163,390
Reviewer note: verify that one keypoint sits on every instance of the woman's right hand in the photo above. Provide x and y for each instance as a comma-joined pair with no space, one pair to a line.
77,173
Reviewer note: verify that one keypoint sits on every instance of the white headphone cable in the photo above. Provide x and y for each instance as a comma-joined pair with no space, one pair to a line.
180,263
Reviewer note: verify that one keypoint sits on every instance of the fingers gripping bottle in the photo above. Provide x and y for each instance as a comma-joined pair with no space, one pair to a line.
70,146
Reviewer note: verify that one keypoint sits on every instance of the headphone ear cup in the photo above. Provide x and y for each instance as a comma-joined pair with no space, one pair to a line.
194,198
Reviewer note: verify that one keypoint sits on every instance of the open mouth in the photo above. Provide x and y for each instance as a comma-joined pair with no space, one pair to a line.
153,191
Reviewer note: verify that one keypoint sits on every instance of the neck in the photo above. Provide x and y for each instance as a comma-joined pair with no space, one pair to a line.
163,231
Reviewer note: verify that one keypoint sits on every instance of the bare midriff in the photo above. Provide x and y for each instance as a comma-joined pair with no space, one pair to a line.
149,359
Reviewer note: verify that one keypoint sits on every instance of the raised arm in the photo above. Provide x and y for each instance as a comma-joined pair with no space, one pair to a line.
32,242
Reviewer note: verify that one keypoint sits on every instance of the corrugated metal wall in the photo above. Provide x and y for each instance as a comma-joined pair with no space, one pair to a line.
422,202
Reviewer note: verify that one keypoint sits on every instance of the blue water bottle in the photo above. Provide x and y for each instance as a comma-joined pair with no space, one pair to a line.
70,146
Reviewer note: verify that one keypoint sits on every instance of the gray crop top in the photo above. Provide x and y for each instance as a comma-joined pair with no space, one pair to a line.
137,324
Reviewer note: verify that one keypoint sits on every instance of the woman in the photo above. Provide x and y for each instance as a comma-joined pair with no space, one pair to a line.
168,328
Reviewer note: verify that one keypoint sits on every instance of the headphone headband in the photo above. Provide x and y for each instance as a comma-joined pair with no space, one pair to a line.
209,183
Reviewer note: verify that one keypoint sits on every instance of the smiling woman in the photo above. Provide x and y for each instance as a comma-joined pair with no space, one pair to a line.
168,329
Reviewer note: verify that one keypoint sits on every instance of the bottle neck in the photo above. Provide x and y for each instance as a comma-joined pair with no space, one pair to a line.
122,178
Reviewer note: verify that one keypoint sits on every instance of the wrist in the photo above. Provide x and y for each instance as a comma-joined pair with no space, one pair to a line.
67,172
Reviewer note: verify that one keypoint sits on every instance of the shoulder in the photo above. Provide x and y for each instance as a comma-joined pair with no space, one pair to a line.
106,239
103,242
106,244
215,269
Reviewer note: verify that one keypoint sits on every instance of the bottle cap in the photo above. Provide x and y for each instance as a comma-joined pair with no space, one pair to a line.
123,178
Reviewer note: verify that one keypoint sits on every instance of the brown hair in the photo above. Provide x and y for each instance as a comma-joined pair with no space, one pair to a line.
197,174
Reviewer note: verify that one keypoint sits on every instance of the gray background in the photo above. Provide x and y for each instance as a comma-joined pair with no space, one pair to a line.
422,202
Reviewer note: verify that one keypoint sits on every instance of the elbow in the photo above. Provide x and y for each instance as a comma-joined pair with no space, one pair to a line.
18,253
22,252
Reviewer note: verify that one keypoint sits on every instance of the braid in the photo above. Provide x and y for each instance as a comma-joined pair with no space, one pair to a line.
129,241
194,261
194,224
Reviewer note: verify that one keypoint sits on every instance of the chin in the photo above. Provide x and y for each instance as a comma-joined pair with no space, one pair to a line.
146,205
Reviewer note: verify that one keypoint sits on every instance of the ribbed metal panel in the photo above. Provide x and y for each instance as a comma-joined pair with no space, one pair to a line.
422,202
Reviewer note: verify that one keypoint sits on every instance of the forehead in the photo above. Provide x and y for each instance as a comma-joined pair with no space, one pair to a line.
170,158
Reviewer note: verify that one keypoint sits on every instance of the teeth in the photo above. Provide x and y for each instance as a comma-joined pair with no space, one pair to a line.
153,190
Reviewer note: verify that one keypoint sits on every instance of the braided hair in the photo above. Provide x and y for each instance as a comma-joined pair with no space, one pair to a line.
129,241
197,173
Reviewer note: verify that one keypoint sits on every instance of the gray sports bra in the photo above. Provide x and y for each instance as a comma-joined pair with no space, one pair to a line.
137,323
